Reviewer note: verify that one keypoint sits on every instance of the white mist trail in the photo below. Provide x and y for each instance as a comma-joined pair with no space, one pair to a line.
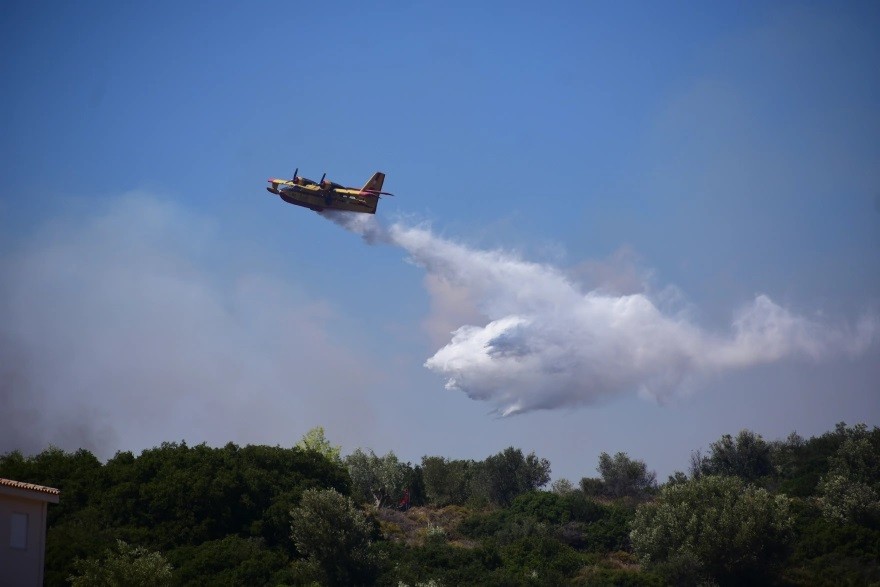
545,343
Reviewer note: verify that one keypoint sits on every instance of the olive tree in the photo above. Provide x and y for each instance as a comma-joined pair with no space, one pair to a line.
714,527
335,537
625,477
851,490
380,479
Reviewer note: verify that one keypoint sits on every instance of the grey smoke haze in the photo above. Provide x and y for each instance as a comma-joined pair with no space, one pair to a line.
128,328
544,343
135,326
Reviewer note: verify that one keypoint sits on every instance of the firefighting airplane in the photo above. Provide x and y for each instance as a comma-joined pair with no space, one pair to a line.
327,195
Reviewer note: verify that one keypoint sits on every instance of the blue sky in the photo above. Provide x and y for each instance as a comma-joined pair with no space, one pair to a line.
691,156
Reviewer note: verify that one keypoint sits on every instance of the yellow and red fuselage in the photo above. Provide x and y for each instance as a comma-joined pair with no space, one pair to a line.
327,195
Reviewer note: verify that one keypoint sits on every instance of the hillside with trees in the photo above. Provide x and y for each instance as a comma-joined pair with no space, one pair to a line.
748,511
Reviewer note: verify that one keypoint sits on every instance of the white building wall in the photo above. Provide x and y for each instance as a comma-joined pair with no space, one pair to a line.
21,567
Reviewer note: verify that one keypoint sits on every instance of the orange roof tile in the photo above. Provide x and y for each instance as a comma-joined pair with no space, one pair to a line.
30,486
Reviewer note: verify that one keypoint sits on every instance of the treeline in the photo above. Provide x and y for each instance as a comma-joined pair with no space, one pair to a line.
748,511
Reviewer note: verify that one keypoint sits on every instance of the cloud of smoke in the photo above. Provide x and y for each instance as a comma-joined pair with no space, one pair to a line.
135,326
545,343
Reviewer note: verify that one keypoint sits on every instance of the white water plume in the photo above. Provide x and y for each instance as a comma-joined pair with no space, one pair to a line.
545,343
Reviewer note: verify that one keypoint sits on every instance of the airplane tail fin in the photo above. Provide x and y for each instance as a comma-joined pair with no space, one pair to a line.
375,183
372,189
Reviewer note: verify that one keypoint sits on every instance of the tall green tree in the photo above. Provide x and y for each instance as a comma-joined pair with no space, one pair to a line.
625,477
335,537
748,456
315,440
179,495
380,480
503,476
447,481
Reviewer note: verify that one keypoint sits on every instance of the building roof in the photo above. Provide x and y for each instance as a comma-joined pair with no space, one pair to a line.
29,486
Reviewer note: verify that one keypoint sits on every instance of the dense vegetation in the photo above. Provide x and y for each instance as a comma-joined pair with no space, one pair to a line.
788,512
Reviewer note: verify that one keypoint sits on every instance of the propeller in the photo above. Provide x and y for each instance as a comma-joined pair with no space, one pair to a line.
294,174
